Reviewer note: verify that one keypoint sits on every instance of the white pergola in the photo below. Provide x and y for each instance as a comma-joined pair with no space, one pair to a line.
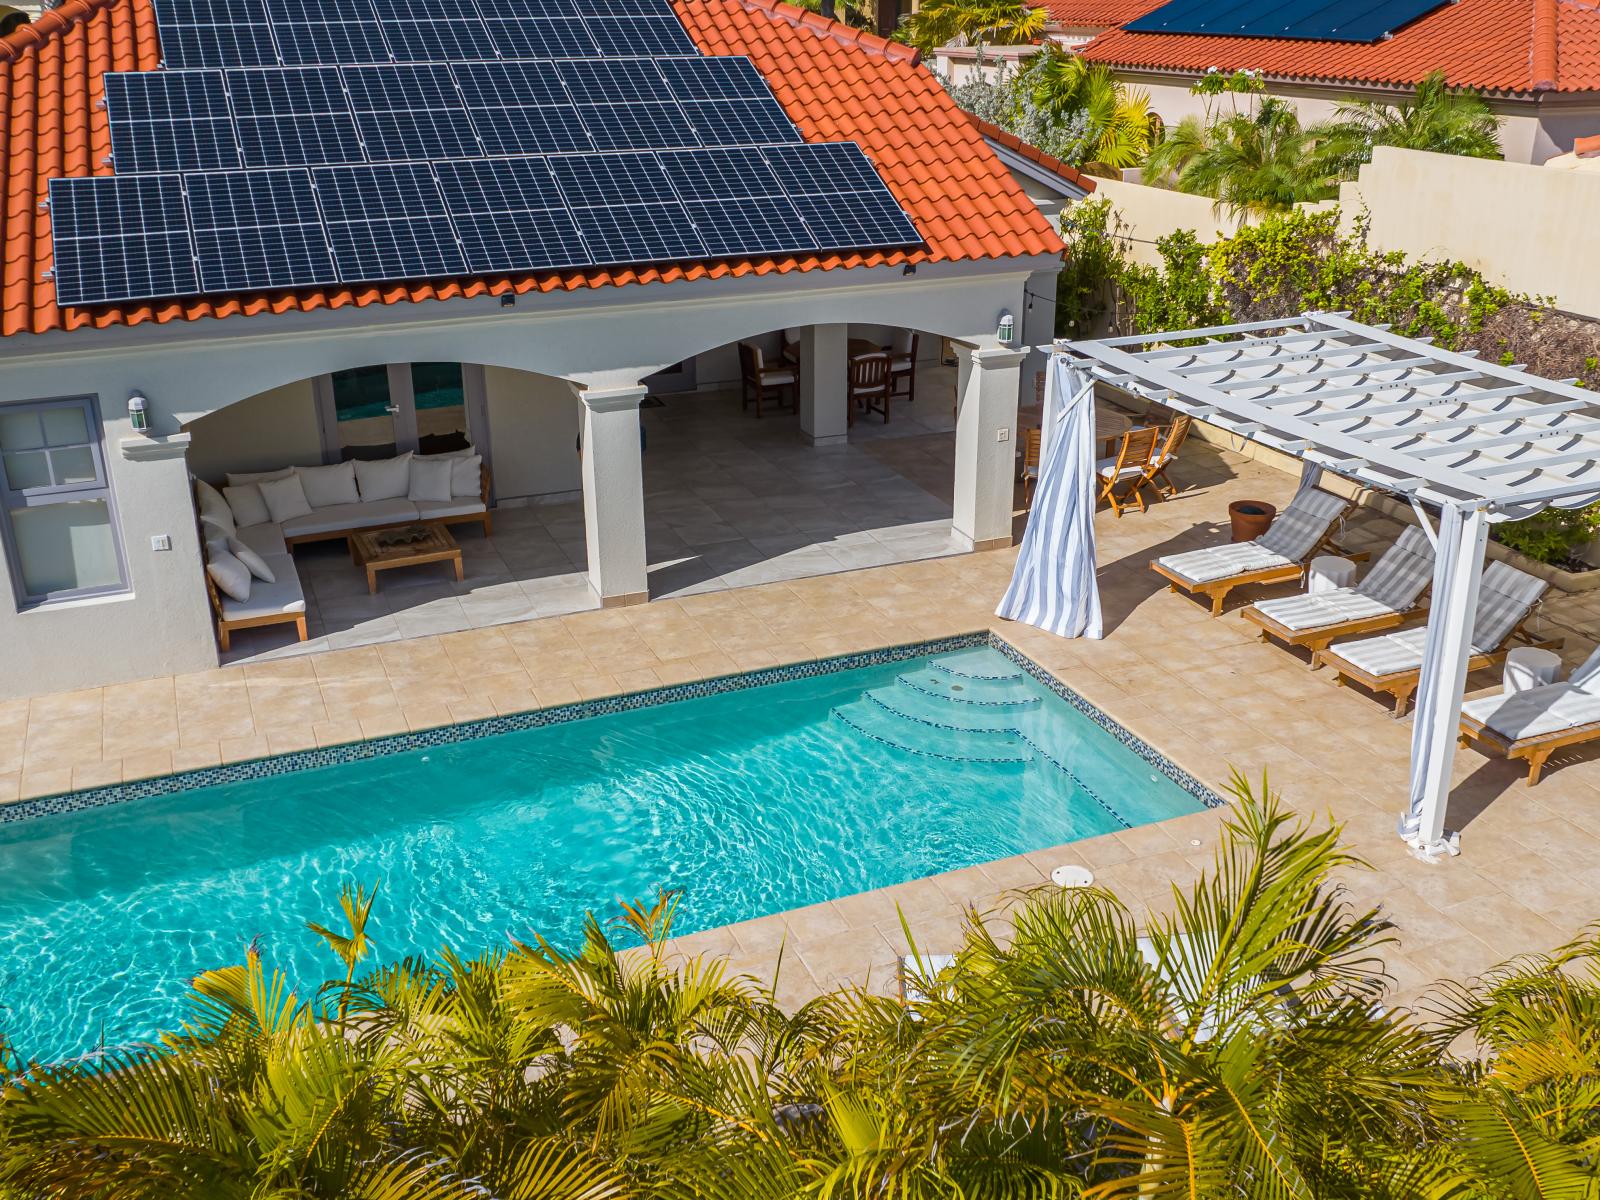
1477,441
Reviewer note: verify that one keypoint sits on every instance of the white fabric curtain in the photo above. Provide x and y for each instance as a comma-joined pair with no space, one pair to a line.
1053,586
1458,567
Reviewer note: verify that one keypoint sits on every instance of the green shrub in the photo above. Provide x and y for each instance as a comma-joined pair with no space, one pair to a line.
1554,536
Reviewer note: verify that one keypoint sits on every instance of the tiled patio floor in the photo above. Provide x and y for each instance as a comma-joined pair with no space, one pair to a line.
1202,690
729,501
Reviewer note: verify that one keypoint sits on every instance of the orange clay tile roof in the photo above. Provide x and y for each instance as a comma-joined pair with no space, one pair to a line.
1094,14
834,83
1506,46
1013,143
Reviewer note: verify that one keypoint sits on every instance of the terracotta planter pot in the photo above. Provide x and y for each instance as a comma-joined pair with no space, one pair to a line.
1250,518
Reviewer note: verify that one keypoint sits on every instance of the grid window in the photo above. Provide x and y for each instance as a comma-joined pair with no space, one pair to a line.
55,500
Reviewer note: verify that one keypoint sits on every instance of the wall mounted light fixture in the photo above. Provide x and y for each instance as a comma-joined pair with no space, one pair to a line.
1007,329
139,412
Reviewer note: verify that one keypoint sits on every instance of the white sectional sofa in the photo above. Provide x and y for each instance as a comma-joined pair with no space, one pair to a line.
251,524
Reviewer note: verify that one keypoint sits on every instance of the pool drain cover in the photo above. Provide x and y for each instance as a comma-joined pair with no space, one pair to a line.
1072,876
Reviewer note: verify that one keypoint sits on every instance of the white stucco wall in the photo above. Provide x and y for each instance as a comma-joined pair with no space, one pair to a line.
277,428
1148,213
533,430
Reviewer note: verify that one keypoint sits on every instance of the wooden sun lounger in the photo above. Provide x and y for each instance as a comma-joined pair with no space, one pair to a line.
1217,589
1319,637
1536,749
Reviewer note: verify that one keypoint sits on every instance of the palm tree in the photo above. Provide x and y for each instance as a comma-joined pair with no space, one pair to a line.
1117,124
1435,119
973,22
1248,162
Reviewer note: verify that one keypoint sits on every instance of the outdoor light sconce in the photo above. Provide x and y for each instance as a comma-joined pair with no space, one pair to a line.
139,412
1007,329
909,269
508,300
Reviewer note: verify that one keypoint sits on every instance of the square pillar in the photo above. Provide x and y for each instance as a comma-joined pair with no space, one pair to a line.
986,419
613,495
824,367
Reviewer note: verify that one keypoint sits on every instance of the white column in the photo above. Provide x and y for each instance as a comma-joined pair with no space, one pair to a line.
823,380
1458,567
613,494
986,419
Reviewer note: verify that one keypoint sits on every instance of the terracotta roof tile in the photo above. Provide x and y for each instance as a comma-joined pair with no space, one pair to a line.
1013,143
1095,14
1492,45
834,82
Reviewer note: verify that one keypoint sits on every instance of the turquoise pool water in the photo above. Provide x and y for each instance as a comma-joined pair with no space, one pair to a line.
750,802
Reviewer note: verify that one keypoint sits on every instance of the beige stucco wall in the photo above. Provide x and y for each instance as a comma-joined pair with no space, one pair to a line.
1148,213
533,430
277,428
1530,228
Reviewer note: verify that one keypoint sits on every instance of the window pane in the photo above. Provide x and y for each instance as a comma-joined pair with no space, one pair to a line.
73,466
29,470
441,407
19,430
64,425
361,408
65,547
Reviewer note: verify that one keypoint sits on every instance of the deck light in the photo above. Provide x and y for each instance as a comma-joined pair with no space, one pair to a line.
1072,876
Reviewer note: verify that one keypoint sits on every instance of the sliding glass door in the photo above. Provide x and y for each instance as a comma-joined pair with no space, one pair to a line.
381,411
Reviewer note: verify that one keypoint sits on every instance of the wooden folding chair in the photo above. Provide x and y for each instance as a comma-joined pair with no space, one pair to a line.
1028,471
1171,441
1130,466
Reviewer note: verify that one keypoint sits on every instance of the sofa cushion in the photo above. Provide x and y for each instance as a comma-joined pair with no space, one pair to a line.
266,540
212,506
351,516
256,564
244,478
458,506
230,575
327,486
466,476
268,600
384,478
430,480
244,499
286,498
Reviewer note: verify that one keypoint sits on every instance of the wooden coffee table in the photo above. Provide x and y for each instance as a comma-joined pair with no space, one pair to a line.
437,546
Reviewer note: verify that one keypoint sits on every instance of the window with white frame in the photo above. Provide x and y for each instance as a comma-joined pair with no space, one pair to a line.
60,535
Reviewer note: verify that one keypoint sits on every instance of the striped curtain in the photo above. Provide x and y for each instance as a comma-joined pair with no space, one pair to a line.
1053,586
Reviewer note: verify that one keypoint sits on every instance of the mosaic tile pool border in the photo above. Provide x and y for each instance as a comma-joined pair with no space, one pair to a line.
327,756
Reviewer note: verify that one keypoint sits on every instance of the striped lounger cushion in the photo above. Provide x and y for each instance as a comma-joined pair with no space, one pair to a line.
1293,536
1504,597
1392,586
1535,712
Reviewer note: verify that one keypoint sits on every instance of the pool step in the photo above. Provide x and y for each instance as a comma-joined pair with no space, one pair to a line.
1005,694
941,714
976,667
874,720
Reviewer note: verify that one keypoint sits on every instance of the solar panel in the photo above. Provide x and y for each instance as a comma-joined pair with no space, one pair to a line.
736,202
387,221
714,79
636,126
255,230
625,208
293,115
520,108
433,32
120,238
519,37
739,122
623,9
823,167
1311,20
214,33
169,121
410,111
311,31
628,81
835,190
510,215
640,36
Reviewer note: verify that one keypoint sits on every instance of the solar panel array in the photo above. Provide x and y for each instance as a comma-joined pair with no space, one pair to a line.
297,145
1308,20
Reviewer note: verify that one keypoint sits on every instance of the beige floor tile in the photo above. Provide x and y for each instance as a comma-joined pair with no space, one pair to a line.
146,764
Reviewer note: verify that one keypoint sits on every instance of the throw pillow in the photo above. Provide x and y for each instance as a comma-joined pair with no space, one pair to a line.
285,498
247,505
213,507
230,575
430,480
327,486
239,480
465,476
256,564
384,478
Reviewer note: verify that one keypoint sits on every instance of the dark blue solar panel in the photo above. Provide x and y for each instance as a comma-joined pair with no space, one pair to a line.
310,31
120,238
628,81
640,233
214,33
410,111
734,228
257,230
293,115
169,121
857,220
720,174
387,221
624,9
1311,20
636,126
595,179
433,32
509,84
824,167
739,122
623,36
714,79
519,37
549,130
520,10
510,215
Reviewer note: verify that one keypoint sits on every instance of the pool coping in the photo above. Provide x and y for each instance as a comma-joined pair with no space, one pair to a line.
296,761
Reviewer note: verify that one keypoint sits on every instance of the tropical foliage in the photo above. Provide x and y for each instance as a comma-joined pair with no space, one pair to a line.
973,23
1435,119
1232,1047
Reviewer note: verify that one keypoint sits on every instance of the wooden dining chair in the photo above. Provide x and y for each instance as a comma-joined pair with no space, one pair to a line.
1171,441
757,381
903,364
1128,469
1028,472
869,385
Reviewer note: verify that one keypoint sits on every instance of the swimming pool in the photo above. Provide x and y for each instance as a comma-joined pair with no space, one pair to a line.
755,798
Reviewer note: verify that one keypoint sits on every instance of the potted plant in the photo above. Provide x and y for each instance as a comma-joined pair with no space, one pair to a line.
1250,518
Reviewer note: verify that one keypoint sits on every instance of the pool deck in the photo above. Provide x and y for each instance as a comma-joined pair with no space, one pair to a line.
1202,691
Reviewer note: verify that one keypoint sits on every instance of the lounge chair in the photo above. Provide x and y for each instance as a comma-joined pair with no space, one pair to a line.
1383,599
1392,662
1534,724
1302,528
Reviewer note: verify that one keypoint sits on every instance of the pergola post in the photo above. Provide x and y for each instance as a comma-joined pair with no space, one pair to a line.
1458,567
